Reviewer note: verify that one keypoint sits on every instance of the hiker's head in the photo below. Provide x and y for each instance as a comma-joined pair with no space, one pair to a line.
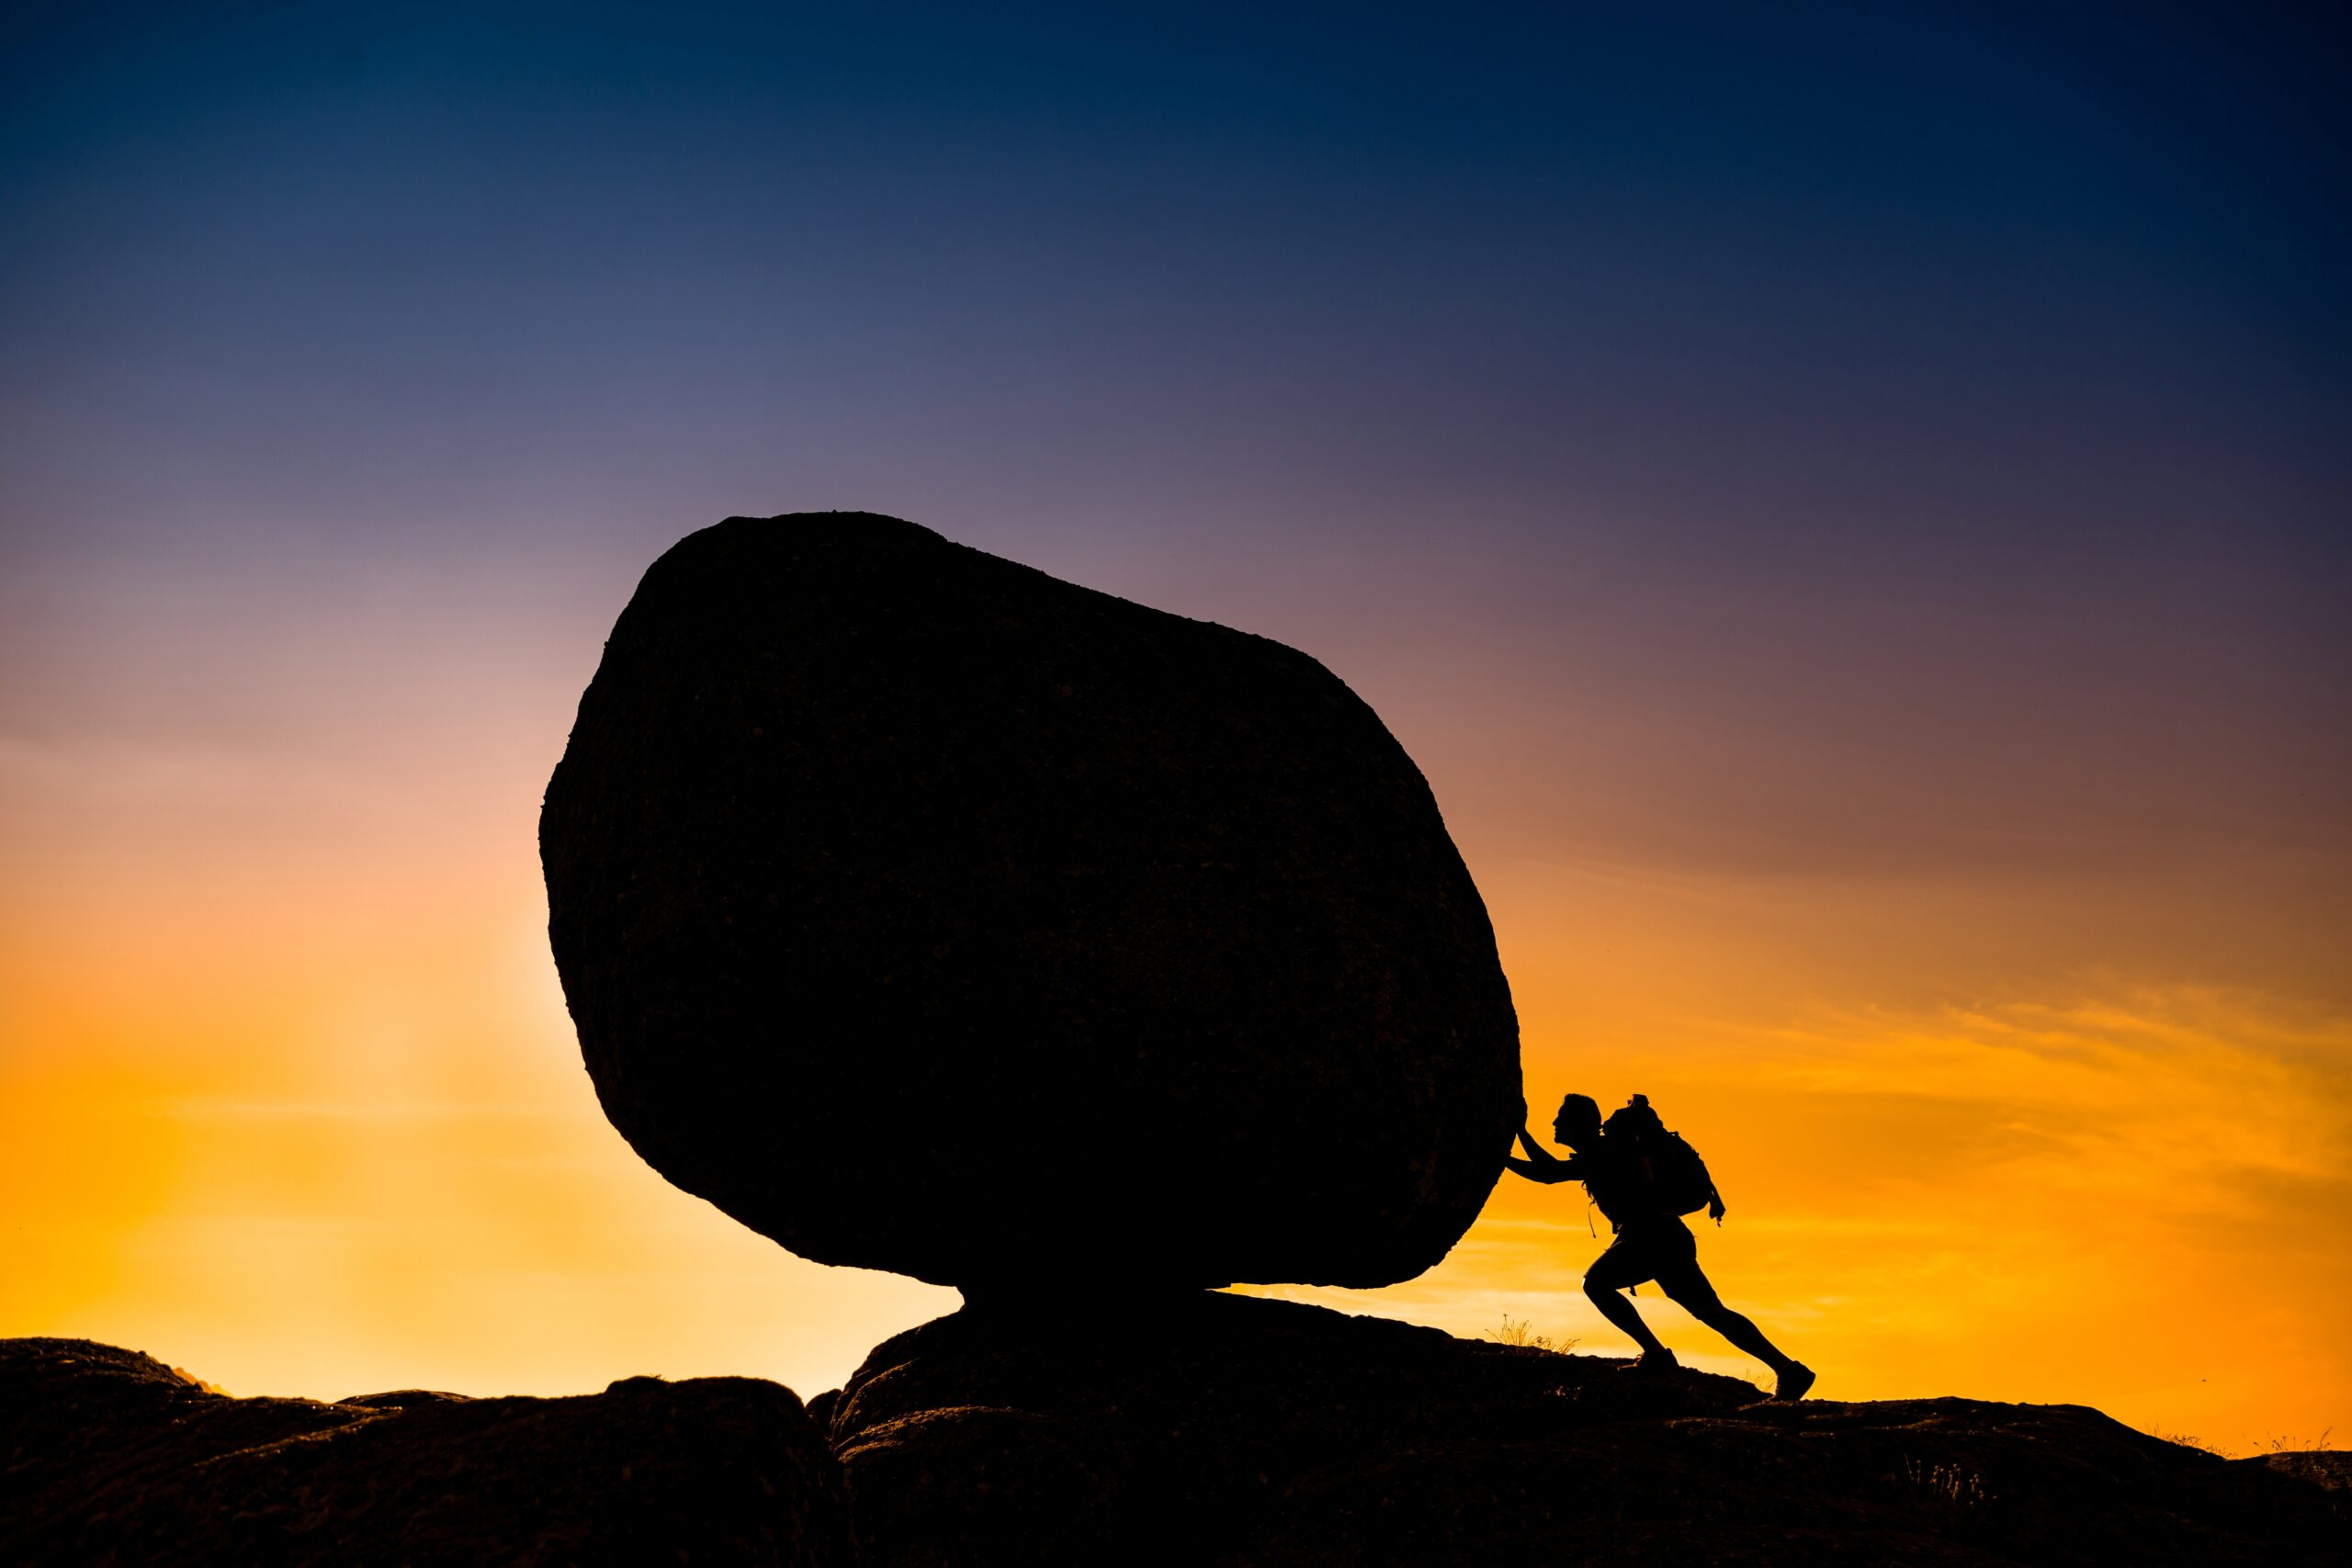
1578,1122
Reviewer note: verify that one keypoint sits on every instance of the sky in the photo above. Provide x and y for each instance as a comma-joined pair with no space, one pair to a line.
1847,505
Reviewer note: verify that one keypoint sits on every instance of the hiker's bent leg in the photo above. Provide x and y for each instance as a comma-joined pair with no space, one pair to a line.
1621,1311
1689,1289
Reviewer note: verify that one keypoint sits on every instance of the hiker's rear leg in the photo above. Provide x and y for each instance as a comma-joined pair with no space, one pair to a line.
1620,1310
1690,1289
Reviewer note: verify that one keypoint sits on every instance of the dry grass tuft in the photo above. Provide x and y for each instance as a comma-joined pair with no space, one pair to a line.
1521,1334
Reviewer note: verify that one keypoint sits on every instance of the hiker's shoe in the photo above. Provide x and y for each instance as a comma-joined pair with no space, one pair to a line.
1652,1362
1795,1378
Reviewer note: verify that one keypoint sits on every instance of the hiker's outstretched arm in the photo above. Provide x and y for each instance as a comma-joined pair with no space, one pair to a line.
1527,1167
1541,1164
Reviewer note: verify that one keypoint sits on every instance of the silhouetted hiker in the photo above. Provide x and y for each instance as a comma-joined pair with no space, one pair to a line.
1645,1180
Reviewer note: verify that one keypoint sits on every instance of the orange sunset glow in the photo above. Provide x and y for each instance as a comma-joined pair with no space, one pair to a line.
1849,520
292,1096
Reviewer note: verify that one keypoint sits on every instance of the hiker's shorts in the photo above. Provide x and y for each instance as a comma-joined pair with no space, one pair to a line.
1661,1249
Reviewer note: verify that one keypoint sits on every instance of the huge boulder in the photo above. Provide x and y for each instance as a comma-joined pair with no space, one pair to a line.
926,913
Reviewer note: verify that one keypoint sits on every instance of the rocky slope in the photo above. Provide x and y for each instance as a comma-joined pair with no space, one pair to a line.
107,1456
1212,1432
1232,1431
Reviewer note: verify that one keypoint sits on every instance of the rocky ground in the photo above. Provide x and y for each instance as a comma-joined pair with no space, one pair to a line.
108,1457
1212,1430
1235,1431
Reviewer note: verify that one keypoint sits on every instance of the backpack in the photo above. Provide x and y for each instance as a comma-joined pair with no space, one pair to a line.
1675,1179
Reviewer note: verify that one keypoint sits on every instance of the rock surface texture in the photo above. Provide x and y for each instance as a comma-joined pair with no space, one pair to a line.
1203,1432
1227,1431
926,913
110,1457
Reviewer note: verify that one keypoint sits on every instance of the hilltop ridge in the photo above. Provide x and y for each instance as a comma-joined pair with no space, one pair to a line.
1206,1429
